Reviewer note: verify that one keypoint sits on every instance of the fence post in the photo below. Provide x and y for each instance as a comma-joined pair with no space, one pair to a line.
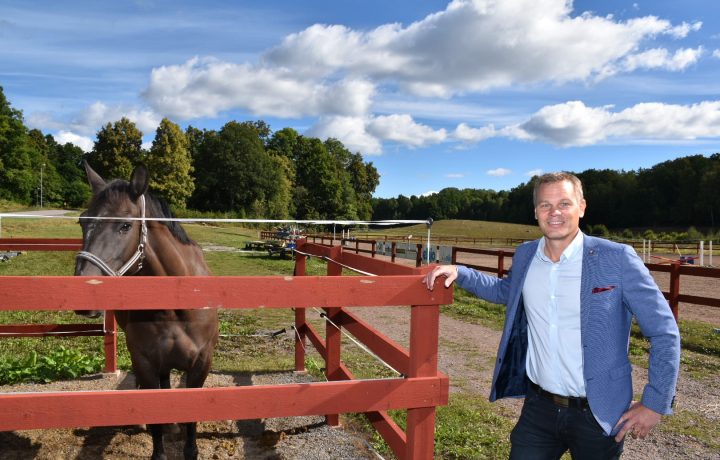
393,251
418,258
501,263
373,248
300,320
424,327
674,288
333,336
110,342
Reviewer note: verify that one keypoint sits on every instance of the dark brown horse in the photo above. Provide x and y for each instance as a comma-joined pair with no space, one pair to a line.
161,340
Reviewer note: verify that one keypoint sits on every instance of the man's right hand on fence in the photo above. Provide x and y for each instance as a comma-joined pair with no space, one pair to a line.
450,273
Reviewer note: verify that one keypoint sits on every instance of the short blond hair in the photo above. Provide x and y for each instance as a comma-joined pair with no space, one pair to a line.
551,178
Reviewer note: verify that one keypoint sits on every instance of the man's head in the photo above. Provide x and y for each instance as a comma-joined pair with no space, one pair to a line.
559,205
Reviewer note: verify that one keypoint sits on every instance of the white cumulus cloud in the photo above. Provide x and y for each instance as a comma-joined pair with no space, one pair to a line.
498,172
575,124
206,87
85,143
350,131
89,120
475,45
534,172
403,129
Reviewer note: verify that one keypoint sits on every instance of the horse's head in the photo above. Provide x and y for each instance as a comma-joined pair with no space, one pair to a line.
113,243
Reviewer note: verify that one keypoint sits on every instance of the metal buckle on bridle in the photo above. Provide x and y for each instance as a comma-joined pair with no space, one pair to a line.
138,257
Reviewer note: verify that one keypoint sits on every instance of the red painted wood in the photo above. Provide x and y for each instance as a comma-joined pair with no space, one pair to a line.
393,435
300,318
67,293
424,330
381,345
421,433
130,407
674,289
56,330
300,340
375,266
333,337
110,342
40,244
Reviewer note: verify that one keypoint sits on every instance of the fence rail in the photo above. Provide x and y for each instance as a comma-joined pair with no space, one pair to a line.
676,271
419,390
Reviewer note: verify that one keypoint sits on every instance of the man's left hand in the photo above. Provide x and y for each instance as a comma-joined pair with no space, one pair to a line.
638,421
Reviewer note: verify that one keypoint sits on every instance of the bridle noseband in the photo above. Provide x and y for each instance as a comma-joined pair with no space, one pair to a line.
138,257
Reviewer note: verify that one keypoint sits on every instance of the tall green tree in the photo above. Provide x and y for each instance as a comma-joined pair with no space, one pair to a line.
19,163
170,164
117,150
74,188
318,188
233,171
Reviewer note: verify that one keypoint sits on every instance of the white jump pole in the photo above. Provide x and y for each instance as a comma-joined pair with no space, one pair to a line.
711,254
702,253
644,254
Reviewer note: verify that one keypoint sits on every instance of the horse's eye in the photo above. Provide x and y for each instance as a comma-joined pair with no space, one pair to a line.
125,227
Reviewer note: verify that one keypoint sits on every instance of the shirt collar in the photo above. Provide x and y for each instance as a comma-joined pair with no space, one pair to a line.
573,250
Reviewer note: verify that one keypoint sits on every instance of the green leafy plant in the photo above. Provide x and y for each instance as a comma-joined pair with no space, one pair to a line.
62,363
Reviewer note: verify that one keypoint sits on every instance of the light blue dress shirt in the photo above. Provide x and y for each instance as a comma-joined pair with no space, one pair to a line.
552,301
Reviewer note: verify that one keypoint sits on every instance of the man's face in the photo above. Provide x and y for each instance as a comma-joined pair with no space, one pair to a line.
558,211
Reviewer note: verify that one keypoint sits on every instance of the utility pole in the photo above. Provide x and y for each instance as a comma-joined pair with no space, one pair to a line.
42,166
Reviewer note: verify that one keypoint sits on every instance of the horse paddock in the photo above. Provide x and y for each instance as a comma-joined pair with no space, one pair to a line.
262,439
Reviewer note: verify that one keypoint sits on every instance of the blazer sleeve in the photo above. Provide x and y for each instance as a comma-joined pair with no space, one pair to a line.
643,298
490,288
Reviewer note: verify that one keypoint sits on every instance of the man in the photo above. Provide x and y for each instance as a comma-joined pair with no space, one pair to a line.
570,301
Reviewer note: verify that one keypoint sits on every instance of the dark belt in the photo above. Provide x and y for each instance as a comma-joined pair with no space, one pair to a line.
564,401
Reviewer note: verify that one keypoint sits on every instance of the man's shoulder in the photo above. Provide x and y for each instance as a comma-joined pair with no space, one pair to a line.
527,246
593,242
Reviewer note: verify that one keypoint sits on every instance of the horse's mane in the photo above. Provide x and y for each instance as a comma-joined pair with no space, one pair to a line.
154,207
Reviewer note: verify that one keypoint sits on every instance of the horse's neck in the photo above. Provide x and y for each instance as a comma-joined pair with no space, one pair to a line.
166,256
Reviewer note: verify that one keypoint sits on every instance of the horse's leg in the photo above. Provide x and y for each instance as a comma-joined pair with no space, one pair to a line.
195,379
147,379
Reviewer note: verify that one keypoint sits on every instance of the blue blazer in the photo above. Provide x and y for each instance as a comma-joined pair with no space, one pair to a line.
615,286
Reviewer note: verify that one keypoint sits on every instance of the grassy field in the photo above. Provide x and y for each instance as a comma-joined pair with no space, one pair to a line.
468,427
461,228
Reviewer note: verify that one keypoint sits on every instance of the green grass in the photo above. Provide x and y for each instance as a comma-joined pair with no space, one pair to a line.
469,427
469,308
695,425
463,228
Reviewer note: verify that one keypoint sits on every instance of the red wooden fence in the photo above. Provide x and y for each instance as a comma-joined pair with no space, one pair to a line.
108,330
420,390
676,271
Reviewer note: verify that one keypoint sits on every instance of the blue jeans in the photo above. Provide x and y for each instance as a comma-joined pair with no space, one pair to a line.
546,431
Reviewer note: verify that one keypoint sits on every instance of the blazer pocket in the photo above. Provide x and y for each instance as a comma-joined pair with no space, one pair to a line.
620,372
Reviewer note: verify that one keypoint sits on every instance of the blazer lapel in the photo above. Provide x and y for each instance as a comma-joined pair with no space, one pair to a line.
590,272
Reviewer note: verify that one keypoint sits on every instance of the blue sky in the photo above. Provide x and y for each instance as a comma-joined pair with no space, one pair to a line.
467,94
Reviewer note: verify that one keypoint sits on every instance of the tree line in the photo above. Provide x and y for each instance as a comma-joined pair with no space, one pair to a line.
676,193
247,170
243,168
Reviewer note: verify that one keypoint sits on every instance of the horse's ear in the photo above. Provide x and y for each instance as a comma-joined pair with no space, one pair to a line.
96,182
139,181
